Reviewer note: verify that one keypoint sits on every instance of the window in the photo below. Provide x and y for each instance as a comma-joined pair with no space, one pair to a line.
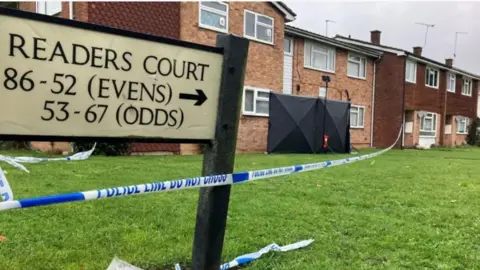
451,83
258,27
322,92
214,16
431,77
411,72
288,46
467,87
356,66
50,8
462,125
255,101
428,124
319,57
356,116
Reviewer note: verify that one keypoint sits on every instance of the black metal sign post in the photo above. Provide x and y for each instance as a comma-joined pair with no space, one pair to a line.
219,156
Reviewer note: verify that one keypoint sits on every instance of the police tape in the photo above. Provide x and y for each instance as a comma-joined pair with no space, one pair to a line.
238,261
14,161
6,193
187,183
244,259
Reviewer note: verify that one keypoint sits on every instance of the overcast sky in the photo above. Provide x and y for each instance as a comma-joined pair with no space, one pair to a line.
397,21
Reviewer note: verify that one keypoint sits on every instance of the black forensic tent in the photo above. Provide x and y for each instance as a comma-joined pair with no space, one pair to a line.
296,125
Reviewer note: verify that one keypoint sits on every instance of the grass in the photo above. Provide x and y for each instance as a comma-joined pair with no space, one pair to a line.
406,209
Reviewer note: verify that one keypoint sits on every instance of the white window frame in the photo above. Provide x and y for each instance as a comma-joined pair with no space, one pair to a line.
449,78
44,3
414,64
358,107
438,77
469,91
255,90
209,27
328,48
432,116
291,45
466,121
254,37
357,62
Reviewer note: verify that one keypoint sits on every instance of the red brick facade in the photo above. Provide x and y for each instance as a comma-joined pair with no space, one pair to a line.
388,107
264,64
393,97
360,90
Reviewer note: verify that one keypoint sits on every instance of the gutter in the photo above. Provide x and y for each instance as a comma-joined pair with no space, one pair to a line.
331,42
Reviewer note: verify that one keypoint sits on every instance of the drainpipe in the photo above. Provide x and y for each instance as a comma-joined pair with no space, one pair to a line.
70,10
373,99
403,102
442,129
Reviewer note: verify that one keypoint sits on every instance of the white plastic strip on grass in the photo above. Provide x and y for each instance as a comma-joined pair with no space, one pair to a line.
6,193
244,259
78,156
118,264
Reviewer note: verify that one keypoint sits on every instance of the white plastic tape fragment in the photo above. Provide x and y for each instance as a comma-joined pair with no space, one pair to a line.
244,259
118,264
15,161
6,193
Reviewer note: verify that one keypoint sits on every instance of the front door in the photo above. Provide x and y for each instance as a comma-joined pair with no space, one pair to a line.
428,129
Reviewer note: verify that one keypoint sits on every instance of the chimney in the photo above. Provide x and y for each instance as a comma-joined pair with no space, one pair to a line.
449,62
375,36
417,51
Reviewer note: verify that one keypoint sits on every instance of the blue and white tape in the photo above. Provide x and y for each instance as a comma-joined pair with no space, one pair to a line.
244,259
78,156
238,261
6,193
196,182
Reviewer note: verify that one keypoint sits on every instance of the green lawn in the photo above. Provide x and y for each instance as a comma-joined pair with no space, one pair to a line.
408,209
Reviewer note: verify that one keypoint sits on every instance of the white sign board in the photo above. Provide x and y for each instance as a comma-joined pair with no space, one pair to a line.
59,80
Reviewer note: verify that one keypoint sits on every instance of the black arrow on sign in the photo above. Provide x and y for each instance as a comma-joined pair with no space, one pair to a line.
200,97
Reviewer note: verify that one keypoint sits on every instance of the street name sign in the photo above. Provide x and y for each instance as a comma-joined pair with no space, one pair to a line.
63,78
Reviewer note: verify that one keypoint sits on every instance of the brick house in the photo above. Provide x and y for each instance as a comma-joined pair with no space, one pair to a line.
261,22
434,101
309,56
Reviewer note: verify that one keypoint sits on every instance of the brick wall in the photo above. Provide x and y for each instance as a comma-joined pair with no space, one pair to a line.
155,18
418,96
388,113
458,104
264,63
360,90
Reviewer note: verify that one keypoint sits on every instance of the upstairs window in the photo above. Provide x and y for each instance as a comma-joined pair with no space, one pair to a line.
214,16
255,101
428,124
467,87
356,116
258,27
431,77
51,8
318,56
411,72
357,66
462,125
451,83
